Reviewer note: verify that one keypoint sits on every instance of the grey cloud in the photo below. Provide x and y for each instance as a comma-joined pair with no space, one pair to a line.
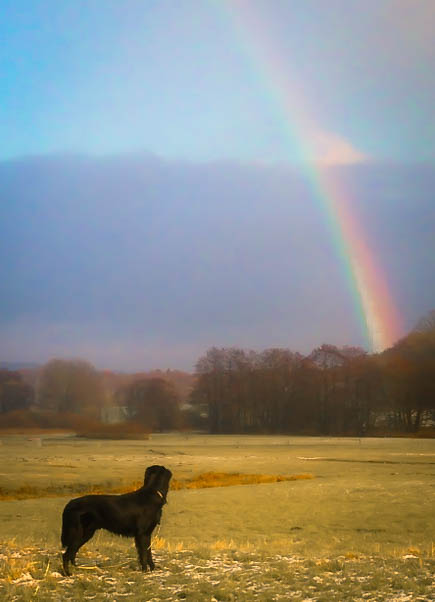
111,256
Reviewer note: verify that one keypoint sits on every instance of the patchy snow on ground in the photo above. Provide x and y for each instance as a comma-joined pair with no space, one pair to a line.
230,575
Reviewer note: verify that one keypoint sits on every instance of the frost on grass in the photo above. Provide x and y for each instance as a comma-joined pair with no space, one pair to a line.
208,574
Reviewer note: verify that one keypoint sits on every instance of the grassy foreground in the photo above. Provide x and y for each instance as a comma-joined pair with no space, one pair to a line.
362,529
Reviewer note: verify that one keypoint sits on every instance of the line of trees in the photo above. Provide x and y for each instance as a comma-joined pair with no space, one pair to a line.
75,387
332,391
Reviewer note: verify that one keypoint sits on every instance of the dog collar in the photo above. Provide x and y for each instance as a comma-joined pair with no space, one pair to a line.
159,493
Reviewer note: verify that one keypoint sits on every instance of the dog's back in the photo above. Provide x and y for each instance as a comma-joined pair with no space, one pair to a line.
119,514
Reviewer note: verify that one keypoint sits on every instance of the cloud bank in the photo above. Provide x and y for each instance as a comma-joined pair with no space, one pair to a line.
134,262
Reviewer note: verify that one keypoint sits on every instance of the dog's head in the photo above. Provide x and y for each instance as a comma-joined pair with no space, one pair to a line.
157,478
151,473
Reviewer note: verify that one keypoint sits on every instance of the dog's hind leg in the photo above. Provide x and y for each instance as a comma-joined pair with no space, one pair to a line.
76,531
66,559
69,556
87,534
70,553
71,534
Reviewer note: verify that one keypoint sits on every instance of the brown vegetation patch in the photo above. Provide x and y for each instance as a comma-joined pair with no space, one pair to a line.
29,422
227,479
202,481
120,430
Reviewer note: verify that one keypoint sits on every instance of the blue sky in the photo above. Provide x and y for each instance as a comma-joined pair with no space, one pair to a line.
175,79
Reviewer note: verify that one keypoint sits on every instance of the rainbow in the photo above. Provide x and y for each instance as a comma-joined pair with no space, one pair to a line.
317,150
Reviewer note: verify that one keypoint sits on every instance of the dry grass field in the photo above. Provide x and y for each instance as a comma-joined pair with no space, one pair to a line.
362,528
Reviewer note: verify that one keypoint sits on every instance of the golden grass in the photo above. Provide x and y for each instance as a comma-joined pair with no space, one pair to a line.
201,481
282,546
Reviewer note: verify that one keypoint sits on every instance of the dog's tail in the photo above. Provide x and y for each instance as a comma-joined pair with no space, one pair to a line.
71,525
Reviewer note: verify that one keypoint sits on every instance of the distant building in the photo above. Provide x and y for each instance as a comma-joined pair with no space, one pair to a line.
114,414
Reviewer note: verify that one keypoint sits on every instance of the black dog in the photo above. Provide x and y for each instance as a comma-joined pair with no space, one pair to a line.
132,514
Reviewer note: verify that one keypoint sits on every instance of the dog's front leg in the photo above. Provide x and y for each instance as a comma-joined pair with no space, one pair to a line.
143,547
150,560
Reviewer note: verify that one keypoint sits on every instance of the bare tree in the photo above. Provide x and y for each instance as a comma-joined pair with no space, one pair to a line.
71,386
15,394
154,402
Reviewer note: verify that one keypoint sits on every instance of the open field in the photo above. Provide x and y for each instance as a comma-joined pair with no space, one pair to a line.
362,529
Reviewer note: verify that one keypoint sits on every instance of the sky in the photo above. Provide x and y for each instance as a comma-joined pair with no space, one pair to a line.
184,79
169,175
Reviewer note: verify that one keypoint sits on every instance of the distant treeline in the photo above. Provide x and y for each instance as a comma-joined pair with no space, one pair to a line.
328,393
333,391
62,390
